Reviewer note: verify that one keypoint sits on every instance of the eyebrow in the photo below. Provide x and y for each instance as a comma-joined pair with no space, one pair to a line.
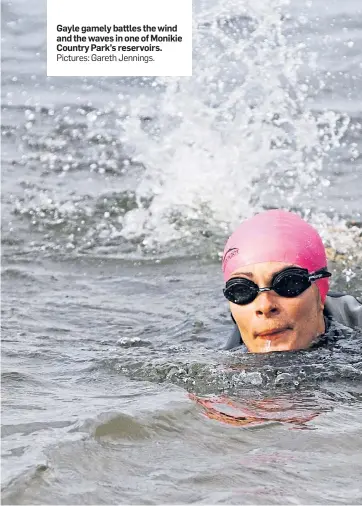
240,273
251,275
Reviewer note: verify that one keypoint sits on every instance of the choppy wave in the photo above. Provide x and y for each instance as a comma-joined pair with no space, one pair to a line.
204,371
178,165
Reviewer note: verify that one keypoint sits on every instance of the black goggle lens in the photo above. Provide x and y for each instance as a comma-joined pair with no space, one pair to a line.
291,284
241,291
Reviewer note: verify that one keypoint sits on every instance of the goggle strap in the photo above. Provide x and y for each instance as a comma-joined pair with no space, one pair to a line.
319,275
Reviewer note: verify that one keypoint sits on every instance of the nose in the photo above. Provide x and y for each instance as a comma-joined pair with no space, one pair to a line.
266,304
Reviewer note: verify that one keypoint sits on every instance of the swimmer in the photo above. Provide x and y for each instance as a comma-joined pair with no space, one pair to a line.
277,285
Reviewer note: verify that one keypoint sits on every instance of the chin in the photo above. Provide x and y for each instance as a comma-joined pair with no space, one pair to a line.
270,346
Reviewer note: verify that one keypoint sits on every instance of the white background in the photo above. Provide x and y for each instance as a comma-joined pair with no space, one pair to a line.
174,60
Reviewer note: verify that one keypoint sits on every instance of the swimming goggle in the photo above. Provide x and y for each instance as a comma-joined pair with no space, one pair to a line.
289,282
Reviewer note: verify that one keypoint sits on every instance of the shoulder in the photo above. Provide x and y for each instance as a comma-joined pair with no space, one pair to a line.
234,340
344,308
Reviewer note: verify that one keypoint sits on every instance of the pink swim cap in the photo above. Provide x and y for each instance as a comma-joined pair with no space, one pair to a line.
276,236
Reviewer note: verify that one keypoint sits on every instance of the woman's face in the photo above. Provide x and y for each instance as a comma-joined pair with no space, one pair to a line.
274,323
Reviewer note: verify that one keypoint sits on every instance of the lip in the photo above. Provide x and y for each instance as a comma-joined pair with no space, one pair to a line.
272,333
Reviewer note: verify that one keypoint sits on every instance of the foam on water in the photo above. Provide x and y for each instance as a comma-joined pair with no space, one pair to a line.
236,136
175,168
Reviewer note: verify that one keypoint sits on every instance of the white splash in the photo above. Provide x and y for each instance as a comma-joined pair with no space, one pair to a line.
267,346
235,135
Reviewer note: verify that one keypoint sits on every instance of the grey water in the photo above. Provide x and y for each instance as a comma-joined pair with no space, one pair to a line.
117,197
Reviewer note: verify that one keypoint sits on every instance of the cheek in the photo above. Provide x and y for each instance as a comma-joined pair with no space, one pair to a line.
302,310
241,314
